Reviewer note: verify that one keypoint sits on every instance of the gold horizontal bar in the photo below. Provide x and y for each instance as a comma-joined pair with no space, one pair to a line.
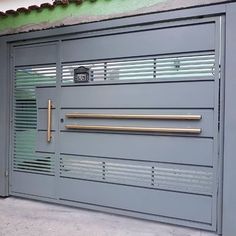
135,129
144,117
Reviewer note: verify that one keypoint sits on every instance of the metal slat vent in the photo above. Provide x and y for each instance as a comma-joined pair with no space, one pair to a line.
25,119
142,174
172,67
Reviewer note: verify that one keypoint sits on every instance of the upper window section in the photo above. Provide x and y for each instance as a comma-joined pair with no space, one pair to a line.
201,66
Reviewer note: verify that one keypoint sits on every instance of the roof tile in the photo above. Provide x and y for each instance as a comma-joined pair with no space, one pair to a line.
23,10
47,5
62,2
2,14
42,6
33,7
11,12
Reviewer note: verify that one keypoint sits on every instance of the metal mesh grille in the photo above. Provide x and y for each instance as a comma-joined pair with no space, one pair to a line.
191,66
25,119
143,174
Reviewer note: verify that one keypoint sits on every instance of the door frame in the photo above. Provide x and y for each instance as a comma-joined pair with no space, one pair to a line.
5,121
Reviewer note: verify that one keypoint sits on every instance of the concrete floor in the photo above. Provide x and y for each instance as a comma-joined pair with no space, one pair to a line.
20,217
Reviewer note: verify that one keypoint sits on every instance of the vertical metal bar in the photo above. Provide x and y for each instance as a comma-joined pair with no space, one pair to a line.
221,123
57,104
217,111
49,135
5,98
11,90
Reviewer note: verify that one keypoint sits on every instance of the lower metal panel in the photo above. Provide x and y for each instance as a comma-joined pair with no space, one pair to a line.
138,215
37,185
153,202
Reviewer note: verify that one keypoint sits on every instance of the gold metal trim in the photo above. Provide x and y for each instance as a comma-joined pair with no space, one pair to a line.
135,129
144,117
49,135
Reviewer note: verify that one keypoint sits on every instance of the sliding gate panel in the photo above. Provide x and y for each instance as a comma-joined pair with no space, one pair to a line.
115,174
139,137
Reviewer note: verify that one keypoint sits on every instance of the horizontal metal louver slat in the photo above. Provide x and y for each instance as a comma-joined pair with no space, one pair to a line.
178,66
25,159
142,174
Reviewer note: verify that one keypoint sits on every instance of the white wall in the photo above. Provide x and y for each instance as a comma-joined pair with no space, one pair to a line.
14,4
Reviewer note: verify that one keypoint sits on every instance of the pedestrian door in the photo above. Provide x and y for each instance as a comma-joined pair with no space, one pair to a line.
132,129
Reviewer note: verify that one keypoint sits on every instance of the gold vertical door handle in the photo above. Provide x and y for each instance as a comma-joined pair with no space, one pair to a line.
49,135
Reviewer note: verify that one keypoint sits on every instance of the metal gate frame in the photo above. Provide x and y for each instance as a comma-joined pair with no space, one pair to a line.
227,139
21,58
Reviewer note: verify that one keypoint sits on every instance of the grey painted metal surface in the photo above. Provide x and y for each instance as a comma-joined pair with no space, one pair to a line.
123,197
125,96
115,166
35,55
4,117
32,185
143,148
191,12
153,42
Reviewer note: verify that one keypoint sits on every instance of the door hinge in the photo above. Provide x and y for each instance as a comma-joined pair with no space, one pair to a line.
6,173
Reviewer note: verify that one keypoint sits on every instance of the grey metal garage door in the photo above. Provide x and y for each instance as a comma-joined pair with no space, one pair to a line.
141,138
